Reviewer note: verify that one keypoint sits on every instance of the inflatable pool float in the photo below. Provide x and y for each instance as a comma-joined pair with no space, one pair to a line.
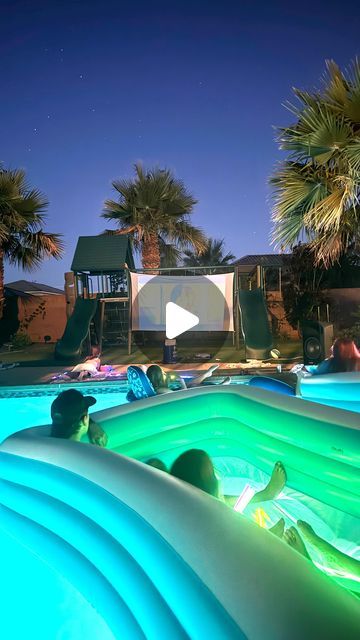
97,544
341,390
140,385
272,384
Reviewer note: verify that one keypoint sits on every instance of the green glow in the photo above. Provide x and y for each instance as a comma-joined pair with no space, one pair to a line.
319,447
337,573
321,457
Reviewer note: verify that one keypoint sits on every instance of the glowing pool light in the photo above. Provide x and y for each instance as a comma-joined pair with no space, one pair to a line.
244,498
261,517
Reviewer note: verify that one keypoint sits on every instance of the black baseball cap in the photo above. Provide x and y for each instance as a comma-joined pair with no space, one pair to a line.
70,406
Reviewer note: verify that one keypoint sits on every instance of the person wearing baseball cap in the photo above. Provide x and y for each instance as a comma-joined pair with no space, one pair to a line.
70,418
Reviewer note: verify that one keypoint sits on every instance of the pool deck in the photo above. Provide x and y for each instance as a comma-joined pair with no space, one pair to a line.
32,375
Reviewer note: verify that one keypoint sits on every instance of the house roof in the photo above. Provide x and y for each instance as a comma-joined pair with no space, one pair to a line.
24,287
102,254
263,259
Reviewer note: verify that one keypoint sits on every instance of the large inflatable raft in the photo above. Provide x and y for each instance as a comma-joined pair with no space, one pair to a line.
341,390
95,544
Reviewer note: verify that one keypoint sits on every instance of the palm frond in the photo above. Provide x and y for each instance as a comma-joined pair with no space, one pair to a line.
28,250
184,235
169,254
212,255
22,217
154,204
316,192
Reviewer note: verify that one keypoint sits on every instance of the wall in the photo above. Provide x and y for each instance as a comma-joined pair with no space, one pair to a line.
344,304
48,321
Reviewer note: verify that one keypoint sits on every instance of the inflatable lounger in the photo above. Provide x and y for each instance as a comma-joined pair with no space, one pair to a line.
96,545
140,385
341,390
336,390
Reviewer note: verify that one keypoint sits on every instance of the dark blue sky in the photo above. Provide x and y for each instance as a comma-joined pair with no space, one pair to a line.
90,87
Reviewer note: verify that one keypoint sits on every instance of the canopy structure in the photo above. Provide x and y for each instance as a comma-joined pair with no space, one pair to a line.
102,254
99,270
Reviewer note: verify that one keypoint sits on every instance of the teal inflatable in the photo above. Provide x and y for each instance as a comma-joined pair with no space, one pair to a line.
340,390
272,384
94,543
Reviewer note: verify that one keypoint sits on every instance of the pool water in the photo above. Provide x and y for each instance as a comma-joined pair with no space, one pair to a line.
24,407
29,406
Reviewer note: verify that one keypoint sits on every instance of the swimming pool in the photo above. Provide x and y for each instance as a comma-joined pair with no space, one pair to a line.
29,406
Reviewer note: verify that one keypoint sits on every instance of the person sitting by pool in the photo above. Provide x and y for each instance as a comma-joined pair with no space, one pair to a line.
195,467
162,381
332,557
71,420
345,357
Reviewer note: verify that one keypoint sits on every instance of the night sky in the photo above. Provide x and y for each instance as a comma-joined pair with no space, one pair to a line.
89,88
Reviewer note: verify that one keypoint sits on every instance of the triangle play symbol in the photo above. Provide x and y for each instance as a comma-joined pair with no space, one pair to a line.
178,320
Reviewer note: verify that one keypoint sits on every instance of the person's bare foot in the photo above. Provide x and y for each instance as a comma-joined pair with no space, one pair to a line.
276,482
278,528
325,548
307,531
210,371
293,538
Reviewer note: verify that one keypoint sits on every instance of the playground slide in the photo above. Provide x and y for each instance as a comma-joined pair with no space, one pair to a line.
255,324
76,330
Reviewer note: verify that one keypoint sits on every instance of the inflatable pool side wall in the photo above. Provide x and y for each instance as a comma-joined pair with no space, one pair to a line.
153,555
319,445
337,390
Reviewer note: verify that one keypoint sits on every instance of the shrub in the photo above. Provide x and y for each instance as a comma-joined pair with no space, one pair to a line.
20,340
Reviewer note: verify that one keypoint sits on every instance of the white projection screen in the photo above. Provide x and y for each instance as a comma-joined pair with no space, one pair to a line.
197,294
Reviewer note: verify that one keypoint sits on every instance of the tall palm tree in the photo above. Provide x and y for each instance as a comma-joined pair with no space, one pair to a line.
22,239
154,208
317,189
212,256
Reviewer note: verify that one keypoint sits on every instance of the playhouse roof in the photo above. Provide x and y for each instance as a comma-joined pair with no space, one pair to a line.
102,254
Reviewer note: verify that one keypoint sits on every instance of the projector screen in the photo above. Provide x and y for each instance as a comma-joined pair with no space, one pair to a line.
208,297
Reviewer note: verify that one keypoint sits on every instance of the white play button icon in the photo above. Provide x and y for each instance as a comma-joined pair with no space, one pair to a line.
178,320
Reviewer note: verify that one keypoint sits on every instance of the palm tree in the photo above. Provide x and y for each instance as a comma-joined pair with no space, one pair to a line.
154,208
22,239
212,256
317,189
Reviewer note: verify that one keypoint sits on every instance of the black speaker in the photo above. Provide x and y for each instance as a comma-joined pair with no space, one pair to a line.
317,340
